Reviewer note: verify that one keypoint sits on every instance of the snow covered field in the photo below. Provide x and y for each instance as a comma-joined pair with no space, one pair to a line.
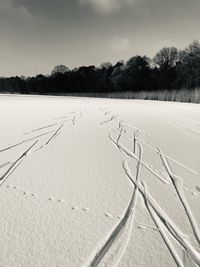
98,182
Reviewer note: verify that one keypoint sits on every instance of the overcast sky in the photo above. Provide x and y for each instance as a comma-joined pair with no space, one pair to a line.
36,35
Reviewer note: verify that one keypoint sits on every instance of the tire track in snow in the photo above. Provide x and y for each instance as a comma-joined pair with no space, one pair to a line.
123,227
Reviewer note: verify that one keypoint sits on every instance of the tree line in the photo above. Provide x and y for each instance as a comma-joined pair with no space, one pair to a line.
170,69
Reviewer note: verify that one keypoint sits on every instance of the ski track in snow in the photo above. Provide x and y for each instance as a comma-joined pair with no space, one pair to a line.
42,128
109,120
19,160
191,125
178,185
168,224
192,136
112,247
16,164
55,133
162,231
134,156
167,228
25,141
4,165
120,235
128,137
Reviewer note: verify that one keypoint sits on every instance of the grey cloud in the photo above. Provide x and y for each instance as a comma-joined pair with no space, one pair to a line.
38,34
50,9
107,6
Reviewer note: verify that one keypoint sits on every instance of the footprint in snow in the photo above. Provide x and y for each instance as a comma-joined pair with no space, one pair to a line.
51,199
74,208
85,209
61,200
108,215
12,186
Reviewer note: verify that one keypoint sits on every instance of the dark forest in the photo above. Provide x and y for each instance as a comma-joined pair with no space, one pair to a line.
170,69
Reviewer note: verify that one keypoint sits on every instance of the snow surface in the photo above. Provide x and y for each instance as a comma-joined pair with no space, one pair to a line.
98,182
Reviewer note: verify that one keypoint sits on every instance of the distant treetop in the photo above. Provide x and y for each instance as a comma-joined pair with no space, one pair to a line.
60,69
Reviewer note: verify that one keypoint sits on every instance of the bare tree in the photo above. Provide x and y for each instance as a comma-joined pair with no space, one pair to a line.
60,69
106,65
166,57
194,47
